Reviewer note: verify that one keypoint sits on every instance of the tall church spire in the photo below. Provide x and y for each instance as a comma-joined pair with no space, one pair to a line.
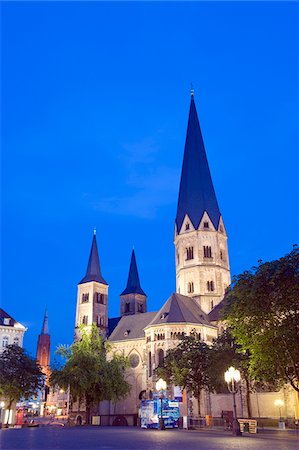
197,193
93,272
133,284
202,264
133,298
45,327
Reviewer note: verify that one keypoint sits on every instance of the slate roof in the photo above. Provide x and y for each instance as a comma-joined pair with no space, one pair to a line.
196,193
112,323
179,309
215,314
131,327
93,272
133,284
4,315
12,321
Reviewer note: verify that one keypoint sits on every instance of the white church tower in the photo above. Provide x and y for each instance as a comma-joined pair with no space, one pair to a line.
92,297
202,264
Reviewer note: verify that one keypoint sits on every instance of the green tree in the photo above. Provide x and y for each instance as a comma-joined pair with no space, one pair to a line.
225,352
91,376
188,366
263,314
20,375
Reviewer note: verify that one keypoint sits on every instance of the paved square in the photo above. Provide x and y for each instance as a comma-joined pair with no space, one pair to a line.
93,438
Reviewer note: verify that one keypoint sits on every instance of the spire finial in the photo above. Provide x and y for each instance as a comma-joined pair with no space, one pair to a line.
94,231
192,90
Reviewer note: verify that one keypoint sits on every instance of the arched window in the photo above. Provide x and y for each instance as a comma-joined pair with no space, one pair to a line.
189,253
85,320
99,298
5,342
190,287
85,298
16,341
207,251
160,355
187,227
210,286
127,307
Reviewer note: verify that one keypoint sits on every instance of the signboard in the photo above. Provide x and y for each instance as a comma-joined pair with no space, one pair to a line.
247,425
150,413
177,393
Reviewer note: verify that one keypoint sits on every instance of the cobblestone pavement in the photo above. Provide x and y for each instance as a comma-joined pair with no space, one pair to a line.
93,438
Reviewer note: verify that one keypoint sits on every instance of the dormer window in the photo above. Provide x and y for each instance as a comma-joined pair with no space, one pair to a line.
189,253
164,315
85,298
6,320
206,224
126,333
187,227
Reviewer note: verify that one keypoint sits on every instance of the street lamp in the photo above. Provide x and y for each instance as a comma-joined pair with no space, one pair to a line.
232,377
161,386
279,403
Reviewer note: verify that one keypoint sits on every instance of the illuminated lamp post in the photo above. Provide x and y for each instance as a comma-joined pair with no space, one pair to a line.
279,403
232,377
161,386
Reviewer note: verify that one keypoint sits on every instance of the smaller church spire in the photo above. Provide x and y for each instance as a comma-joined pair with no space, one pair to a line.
133,284
93,272
45,327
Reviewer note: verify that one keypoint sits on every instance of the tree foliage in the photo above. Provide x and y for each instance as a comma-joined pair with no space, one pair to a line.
20,375
91,376
188,366
263,314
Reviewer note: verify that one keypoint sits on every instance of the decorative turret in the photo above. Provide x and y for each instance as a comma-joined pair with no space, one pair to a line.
133,298
43,348
202,266
92,298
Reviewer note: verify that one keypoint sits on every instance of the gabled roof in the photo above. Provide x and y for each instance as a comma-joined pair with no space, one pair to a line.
196,193
45,327
93,272
11,322
131,327
180,309
133,284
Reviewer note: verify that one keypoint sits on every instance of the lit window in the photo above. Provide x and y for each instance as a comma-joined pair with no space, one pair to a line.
6,321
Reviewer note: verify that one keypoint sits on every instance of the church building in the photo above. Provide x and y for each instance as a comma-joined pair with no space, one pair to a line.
202,276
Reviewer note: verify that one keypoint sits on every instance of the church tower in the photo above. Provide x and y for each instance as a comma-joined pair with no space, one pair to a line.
43,348
133,298
202,264
92,297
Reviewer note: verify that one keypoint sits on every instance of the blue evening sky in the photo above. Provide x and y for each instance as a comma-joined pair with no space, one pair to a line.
95,101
